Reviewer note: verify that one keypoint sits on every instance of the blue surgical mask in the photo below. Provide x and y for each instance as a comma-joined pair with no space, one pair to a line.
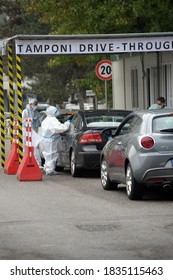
159,106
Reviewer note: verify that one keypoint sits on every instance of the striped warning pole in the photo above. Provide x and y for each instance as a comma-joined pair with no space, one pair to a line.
27,132
11,90
28,124
15,131
29,137
30,133
19,103
2,121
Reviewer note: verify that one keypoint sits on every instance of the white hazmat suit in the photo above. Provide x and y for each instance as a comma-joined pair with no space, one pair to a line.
51,128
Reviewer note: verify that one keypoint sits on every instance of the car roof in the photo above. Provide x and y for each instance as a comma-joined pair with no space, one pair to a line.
103,111
153,112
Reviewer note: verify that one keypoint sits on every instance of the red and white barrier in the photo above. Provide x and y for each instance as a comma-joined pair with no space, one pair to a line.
28,169
15,131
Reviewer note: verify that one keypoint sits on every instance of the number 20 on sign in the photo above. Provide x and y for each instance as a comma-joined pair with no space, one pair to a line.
104,70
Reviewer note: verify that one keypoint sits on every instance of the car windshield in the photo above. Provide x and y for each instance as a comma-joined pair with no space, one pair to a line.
163,124
104,120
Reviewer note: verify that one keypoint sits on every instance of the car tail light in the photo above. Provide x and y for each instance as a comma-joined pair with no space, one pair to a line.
91,138
147,142
156,180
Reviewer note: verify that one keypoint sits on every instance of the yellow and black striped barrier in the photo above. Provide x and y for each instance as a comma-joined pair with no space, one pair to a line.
19,103
11,90
2,118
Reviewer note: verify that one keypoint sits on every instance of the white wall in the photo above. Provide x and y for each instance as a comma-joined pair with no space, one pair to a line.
121,82
118,85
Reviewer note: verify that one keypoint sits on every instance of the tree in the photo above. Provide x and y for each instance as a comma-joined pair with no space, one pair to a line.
105,16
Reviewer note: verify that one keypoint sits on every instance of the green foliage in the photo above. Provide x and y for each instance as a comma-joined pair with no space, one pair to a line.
16,20
104,16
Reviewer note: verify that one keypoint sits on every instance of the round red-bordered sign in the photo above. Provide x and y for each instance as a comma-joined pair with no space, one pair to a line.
104,70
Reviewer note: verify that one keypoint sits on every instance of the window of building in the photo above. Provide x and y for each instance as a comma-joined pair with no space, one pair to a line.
134,88
167,84
151,85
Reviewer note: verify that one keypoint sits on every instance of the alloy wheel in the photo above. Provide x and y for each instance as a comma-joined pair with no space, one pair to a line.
104,173
72,163
129,180
107,184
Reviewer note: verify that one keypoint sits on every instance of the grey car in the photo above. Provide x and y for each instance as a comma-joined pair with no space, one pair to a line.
140,153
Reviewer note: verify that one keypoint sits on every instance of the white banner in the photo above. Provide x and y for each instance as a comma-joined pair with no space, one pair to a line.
93,46
86,269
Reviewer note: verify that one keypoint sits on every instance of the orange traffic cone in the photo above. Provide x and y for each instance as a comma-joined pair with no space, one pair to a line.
28,169
12,162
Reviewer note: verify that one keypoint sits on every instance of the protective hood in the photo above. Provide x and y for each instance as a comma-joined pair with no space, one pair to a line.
32,101
51,111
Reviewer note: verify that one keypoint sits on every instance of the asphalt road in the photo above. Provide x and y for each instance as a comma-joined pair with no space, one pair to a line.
67,218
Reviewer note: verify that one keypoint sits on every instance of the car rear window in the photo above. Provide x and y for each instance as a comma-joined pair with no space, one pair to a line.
103,120
163,124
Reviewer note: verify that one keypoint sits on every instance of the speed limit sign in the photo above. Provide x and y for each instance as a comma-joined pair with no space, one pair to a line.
104,70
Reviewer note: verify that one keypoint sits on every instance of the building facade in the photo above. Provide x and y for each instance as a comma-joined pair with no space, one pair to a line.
139,78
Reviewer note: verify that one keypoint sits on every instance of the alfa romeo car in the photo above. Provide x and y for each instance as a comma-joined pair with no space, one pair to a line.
140,153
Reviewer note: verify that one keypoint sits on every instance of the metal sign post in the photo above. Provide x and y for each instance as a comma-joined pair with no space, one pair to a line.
104,72
106,94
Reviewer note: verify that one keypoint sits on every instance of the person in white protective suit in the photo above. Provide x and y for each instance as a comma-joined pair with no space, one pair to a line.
51,128
31,112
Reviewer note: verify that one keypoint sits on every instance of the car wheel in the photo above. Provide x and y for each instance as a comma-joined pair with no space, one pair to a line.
105,181
133,189
74,170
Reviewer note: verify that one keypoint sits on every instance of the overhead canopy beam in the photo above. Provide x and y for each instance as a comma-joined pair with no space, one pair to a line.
90,44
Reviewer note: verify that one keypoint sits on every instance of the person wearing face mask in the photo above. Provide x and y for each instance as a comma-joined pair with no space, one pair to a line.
31,112
160,104
51,128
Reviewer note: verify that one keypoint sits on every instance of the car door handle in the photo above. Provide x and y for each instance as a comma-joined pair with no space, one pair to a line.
120,143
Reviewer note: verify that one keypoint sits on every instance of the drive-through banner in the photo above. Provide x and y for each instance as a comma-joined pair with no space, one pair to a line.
93,46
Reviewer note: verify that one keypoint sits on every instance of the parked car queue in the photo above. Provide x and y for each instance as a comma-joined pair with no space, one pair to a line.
133,148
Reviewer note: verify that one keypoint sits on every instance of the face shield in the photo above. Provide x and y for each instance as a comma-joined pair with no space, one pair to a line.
57,113
33,103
